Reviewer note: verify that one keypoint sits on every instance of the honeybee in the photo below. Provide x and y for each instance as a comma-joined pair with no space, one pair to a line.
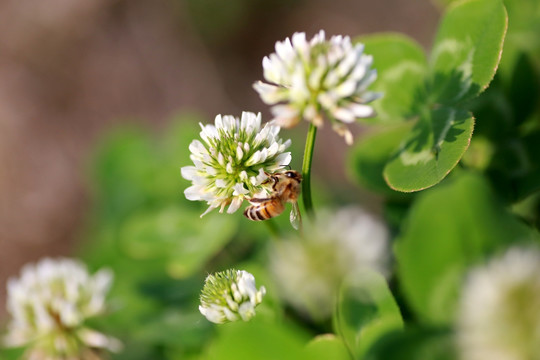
285,189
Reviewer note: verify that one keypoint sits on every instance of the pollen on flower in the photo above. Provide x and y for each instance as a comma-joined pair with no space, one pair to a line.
231,162
49,304
230,295
316,78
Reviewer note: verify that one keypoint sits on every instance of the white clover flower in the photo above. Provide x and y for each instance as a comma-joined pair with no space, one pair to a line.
307,78
49,303
309,270
499,316
232,162
229,296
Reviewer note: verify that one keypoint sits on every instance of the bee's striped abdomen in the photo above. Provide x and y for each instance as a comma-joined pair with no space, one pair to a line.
256,213
265,210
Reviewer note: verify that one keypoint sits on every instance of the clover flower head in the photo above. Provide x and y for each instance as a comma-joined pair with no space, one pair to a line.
49,303
233,160
499,313
308,77
308,270
230,295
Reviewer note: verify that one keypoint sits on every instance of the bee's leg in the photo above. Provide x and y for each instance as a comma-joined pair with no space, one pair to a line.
275,183
276,180
271,177
258,200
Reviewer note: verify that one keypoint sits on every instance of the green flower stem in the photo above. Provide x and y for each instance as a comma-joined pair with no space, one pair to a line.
306,170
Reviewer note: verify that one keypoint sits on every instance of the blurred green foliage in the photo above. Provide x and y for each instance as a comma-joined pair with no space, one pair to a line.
160,250
365,311
415,343
449,228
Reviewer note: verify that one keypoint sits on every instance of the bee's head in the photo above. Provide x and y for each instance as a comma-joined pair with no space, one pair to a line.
293,174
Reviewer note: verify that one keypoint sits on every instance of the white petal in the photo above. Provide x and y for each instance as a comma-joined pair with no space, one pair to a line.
370,77
316,76
212,315
275,71
188,172
218,121
299,40
193,193
285,145
299,91
301,45
221,159
331,79
318,38
196,147
103,280
246,284
254,159
269,71
239,153
270,94
370,96
229,314
259,178
98,340
210,208
327,100
260,294
210,170
273,149
361,111
285,116
283,160
343,114
198,164
264,154
209,133
362,67
347,64
235,205
346,89
250,122
246,311
284,50
221,183
239,189
342,130
229,123
348,137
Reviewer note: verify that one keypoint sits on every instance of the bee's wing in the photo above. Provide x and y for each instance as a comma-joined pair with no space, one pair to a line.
295,217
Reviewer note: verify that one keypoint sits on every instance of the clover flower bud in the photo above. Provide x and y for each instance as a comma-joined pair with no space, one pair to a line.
230,295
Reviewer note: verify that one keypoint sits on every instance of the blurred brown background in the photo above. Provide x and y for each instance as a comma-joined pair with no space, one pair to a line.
69,70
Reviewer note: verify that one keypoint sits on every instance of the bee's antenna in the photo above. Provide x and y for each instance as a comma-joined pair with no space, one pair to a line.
287,166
